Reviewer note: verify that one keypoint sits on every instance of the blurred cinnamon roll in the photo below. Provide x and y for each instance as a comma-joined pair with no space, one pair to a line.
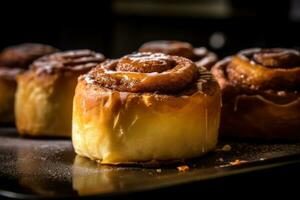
145,107
12,61
201,56
22,55
260,93
45,92
8,88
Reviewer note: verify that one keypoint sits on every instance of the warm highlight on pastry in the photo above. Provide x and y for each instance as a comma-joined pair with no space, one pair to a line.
260,93
201,56
45,92
8,88
22,55
145,107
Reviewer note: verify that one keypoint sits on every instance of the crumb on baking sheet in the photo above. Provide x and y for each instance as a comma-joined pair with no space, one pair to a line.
183,168
226,147
158,170
232,163
237,162
221,160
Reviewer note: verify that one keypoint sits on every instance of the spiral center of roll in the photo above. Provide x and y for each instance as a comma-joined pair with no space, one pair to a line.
145,63
145,72
277,58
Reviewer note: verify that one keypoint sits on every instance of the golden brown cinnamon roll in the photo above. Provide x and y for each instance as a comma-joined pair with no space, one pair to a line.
145,107
45,92
8,87
260,93
12,60
201,56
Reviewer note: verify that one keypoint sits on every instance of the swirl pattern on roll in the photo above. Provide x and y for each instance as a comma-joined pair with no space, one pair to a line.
147,72
201,56
76,60
272,73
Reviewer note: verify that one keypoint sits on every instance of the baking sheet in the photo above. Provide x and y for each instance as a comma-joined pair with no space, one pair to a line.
49,167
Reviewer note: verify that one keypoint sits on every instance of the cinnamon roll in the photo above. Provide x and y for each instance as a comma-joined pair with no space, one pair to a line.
260,93
45,92
12,61
145,107
22,55
8,87
201,56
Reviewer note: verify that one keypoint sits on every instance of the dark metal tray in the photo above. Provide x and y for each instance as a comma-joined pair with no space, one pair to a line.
49,168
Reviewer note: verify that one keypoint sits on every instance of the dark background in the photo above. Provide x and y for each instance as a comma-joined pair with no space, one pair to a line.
118,27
